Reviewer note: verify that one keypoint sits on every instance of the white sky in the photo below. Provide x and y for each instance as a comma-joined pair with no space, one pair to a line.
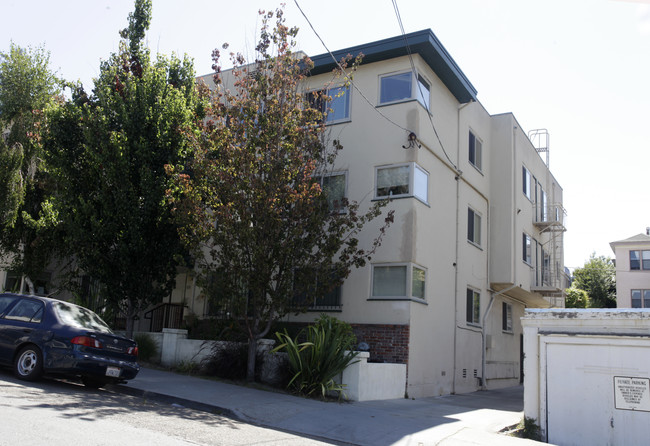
579,68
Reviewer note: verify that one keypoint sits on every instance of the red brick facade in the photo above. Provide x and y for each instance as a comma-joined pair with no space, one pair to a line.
388,343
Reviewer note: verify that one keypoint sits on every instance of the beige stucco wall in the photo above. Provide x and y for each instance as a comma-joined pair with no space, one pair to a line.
445,352
627,280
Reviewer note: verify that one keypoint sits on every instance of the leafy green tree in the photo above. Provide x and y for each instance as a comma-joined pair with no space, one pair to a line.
598,279
27,87
108,151
576,298
253,200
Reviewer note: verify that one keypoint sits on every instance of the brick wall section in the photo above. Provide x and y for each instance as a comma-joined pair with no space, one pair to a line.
388,343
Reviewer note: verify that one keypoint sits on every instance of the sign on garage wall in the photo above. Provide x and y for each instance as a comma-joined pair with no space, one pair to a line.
632,393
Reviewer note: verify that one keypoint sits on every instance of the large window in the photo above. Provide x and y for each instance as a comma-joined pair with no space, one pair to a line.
640,298
527,249
334,185
475,151
398,281
639,260
473,227
401,87
406,180
333,103
526,179
473,306
506,317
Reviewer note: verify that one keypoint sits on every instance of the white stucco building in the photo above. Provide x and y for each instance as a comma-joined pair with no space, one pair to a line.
632,271
479,220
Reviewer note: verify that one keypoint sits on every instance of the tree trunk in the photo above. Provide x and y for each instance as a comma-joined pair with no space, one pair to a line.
129,320
252,354
30,285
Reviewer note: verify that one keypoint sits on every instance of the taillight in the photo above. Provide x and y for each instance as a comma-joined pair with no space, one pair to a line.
87,341
133,351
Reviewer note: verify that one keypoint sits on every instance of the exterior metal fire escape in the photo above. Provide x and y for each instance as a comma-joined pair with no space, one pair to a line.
550,278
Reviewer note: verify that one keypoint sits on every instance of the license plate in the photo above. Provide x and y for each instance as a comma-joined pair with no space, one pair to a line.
113,372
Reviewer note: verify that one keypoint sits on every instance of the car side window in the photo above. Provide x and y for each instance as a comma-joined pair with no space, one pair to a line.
26,310
5,301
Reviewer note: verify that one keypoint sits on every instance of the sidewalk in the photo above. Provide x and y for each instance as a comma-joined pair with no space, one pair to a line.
453,420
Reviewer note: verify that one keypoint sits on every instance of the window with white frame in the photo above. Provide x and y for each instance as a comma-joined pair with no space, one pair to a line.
506,317
640,298
526,180
639,260
473,227
398,281
403,180
335,185
527,249
333,103
404,86
473,306
475,151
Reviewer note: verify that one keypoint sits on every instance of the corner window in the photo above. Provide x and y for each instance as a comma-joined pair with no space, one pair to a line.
473,306
333,103
473,227
406,180
475,151
506,317
526,180
527,244
399,87
398,281
640,298
334,186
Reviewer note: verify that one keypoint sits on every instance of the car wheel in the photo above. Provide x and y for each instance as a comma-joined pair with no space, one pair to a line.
93,383
28,365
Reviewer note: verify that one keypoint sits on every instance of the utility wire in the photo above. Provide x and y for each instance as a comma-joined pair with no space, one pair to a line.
415,74
348,79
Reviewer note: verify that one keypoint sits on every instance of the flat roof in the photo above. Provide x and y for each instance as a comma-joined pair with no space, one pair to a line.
424,43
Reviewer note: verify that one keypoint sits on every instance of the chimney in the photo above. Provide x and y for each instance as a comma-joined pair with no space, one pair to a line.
647,230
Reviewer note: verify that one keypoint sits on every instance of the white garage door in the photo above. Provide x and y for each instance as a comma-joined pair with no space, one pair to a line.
598,390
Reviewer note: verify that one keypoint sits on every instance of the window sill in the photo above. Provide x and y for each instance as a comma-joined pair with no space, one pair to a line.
477,246
474,325
478,169
398,298
338,121
398,197
508,332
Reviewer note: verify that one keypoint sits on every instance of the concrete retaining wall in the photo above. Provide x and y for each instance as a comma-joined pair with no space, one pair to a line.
364,381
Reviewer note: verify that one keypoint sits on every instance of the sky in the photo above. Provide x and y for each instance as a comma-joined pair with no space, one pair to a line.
578,68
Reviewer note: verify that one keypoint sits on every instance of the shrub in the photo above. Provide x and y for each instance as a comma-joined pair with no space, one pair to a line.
228,360
147,347
316,361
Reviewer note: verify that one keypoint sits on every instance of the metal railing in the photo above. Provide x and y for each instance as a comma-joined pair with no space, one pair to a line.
165,315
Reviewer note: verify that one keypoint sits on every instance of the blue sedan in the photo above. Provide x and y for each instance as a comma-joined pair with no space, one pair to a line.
42,336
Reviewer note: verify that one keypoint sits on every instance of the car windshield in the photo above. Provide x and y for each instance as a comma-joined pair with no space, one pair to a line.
81,317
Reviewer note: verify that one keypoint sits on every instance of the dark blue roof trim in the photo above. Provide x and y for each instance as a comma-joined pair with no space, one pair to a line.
425,43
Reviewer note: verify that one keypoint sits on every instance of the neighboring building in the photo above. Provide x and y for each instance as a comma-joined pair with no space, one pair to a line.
479,221
633,271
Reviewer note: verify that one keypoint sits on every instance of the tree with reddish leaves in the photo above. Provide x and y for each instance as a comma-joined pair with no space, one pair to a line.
269,237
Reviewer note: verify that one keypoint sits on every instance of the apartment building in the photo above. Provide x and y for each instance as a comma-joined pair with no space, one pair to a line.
479,221
633,271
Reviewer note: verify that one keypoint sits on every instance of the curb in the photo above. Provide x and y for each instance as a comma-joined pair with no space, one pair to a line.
190,404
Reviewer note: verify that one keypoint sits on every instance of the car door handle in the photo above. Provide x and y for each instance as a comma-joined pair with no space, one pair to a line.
27,330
